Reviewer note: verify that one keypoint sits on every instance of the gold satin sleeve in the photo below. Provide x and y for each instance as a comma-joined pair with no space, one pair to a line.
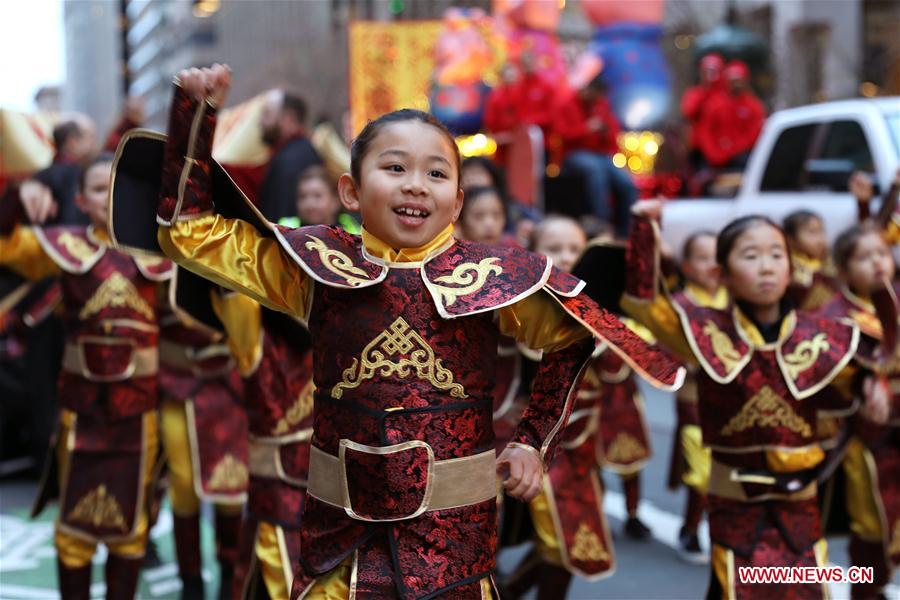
231,253
539,322
21,252
242,318
660,318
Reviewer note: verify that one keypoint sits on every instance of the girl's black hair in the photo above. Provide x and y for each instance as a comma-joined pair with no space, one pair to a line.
688,246
797,219
498,182
360,146
97,159
473,193
845,244
729,235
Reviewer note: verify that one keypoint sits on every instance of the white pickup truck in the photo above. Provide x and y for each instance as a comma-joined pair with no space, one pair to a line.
802,159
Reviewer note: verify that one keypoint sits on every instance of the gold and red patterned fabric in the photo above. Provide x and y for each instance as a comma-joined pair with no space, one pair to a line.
759,401
403,357
196,369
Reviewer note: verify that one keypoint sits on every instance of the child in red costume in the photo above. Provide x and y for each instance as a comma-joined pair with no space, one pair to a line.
405,322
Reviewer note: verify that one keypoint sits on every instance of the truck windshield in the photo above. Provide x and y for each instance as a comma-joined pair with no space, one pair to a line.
893,123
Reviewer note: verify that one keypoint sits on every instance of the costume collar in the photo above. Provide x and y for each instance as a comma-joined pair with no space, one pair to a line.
751,334
699,296
858,301
98,236
382,251
807,262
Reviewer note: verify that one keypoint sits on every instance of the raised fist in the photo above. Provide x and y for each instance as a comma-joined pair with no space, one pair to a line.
210,83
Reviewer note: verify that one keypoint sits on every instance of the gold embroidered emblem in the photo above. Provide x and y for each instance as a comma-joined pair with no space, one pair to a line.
722,346
229,474
75,246
116,291
806,354
624,449
398,339
301,409
337,262
100,509
803,275
587,546
468,275
894,547
767,409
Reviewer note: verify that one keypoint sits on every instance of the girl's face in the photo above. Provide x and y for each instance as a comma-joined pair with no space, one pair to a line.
317,203
700,268
870,264
409,185
759,270
474,175
93,198
563,242
811,240
484,219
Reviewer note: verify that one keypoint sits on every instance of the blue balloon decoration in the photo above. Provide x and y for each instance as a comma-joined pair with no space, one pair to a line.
460,107
635,72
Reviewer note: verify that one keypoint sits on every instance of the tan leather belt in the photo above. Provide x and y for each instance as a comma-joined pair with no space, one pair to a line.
265,456
142,362
726,481
188,358
452,483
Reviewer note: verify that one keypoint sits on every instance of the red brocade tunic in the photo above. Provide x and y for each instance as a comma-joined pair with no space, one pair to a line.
759,401
404,346
108,381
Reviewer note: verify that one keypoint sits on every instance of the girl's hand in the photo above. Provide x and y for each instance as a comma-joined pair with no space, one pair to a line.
211,83
877,407
652,209
37,199
860,185
523,472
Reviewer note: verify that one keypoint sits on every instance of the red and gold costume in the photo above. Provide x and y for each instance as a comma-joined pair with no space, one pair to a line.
813,283
107,439
872,463
401,496
204,433
759,399
275,359
690,459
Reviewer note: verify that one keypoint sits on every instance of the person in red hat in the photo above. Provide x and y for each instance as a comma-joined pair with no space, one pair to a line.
732,120
695,99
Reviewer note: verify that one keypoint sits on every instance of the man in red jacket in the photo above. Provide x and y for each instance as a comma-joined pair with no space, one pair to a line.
732,120
589,128
695,99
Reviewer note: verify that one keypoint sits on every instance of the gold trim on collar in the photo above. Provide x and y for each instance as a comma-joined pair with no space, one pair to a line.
471,276
750,333
700,297
381,251
337,262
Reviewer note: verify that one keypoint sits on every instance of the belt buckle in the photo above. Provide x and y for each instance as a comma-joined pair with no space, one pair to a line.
382,451
105,341
197,355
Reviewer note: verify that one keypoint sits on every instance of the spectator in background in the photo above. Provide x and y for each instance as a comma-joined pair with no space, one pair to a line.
282,123
501,109
732,120
589,128
74,139
695,99
534,97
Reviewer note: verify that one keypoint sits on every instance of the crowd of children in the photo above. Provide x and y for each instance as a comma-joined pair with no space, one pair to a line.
366,390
